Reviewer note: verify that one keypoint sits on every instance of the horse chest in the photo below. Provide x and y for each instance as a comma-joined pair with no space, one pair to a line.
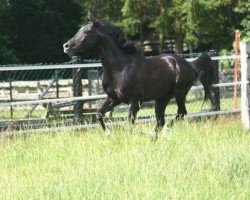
111,89
117,87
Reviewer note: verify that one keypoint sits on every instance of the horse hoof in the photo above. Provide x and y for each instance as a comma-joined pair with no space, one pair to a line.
107,132
153,135
165,131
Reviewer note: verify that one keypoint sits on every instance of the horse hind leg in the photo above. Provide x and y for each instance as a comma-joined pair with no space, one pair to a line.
214,100
180,97
160,106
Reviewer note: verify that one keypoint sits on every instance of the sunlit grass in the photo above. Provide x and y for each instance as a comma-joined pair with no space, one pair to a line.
205,160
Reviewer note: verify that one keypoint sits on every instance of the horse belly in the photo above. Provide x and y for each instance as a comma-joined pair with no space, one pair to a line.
158,87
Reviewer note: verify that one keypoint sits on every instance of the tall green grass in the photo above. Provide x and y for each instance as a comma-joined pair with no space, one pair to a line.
204,160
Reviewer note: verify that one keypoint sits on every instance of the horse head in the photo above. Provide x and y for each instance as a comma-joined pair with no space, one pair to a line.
90,35
84,40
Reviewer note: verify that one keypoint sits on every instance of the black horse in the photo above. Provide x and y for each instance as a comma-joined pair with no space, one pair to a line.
131,78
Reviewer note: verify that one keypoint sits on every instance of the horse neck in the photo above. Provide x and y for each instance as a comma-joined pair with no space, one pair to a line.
112,58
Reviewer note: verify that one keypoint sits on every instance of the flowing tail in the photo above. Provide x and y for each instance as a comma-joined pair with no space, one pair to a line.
205,68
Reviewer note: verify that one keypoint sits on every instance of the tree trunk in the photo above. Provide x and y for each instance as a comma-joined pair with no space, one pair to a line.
161,43
178,34
141,37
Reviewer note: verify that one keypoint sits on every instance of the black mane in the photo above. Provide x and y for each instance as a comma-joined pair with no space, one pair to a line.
118,37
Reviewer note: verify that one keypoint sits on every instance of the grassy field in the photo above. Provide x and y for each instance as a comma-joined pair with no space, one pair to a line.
195,160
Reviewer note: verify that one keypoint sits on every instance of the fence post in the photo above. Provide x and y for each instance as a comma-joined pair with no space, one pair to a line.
245,87
77,89
11,98
57,83
216,80
217,89
92,76
236,63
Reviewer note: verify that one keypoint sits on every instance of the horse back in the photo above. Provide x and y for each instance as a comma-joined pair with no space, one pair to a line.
182,69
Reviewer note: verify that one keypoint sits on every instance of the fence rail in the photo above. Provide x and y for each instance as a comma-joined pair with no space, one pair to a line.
92,65
98,97
47,67
196,94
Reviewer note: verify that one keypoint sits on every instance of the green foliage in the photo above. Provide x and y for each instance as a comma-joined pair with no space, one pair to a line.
7,54
37,29
204,22
244,9
136,13
34,30
101,9
205,160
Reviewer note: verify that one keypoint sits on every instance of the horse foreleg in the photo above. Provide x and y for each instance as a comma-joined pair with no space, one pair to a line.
108,105
111,114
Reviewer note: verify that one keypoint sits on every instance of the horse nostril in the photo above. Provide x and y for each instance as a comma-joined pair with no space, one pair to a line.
66,46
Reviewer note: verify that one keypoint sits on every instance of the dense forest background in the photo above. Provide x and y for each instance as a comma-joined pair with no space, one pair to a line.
33,31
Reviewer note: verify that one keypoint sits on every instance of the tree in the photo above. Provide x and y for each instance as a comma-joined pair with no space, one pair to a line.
198,22
161,22
7,55
38,28
101,9
210,22
34,30
243,9
169,22
136,15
